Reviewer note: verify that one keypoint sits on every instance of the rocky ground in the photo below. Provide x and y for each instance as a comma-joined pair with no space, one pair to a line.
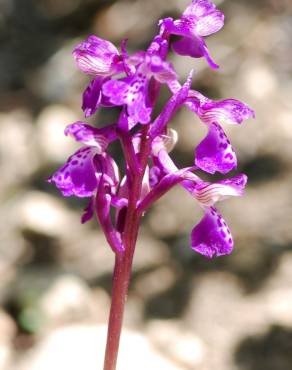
183,312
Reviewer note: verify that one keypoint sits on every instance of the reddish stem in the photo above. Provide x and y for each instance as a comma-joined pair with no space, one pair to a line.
121,277
124,259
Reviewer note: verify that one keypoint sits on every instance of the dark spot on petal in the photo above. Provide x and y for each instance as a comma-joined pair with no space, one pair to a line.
228,155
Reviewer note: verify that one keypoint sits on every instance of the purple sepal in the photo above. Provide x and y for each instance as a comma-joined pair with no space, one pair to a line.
97,57
93,98
203,17
88,211
89,135
209,193
212,237
230,111
215,152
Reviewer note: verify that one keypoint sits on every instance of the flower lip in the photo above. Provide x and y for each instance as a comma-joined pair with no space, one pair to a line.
212,237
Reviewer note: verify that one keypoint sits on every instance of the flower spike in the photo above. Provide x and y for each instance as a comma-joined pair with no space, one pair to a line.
132,82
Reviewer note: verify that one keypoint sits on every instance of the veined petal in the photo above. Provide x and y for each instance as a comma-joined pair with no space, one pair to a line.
96,56
230,111
199,8
210,23
79,175
88,135
208,194
205,17
212,237
215,152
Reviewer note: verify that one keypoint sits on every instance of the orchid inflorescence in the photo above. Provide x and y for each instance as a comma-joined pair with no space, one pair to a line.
132,82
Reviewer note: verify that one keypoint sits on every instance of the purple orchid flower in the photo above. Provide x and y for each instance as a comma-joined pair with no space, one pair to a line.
101,59
215,152
200,19
215,240
133,91
133,83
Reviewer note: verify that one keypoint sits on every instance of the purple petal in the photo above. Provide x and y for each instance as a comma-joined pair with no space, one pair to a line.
195,47
81,174
97,57
215,152
116,90
88,211
199,8
131,92
210,23
88,135
231,111
205,17
92,97
208,194
78,176
138,110
212,237
158,46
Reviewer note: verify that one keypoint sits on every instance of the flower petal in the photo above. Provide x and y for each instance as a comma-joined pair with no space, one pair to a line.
208,194
78,176
230,111
88,135
132,92
195,47
199,8
116,91
212,237
210,23
215,152
88,211
96,56
91,97
205,17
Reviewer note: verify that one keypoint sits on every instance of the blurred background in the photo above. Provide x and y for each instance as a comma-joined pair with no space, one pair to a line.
183,312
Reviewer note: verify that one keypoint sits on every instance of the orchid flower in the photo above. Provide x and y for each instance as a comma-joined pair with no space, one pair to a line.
119,197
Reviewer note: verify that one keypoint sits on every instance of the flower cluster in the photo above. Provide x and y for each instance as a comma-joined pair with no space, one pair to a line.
132,82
